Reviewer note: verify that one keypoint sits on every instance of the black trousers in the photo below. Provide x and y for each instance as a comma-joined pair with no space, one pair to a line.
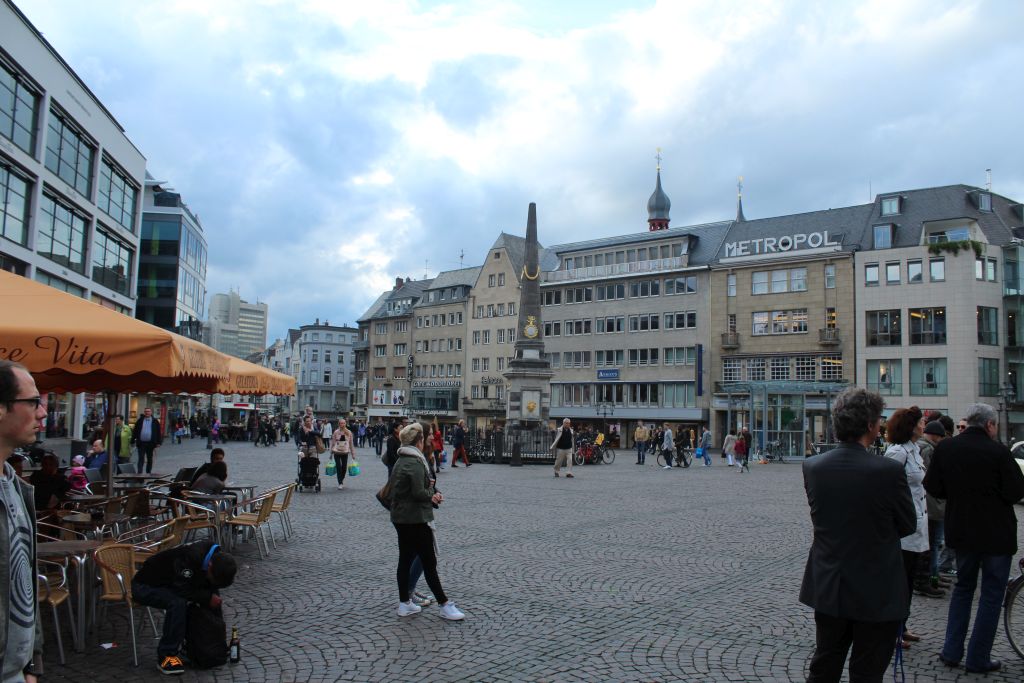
341,466
413,540
873,644
146,456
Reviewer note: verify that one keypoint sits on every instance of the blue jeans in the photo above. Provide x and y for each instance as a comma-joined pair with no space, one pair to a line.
641,451
995,570
707,457
936,540
176,608
415,572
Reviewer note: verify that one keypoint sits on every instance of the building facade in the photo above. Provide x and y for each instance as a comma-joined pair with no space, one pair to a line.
326,367
235,326
439,334
172,263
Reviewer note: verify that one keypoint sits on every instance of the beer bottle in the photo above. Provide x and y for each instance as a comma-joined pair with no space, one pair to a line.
235,648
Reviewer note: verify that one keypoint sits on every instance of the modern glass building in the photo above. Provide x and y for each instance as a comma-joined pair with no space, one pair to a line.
172,263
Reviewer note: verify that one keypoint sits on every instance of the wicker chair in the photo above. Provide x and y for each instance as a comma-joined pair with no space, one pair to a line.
241,519
280,508
53,590
116,564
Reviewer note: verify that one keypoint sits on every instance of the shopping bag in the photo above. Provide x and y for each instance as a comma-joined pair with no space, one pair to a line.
353,468
444,456
331,468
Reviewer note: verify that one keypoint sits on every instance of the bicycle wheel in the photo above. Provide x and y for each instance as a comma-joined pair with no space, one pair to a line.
1013,615
577,458
483,454
686,457
661,459
607,455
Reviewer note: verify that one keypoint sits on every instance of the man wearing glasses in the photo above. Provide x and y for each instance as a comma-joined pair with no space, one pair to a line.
21,637
979,480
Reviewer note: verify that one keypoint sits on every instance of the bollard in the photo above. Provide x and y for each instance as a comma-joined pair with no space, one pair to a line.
516,460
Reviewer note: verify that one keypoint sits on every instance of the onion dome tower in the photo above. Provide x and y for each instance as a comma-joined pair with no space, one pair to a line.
658,205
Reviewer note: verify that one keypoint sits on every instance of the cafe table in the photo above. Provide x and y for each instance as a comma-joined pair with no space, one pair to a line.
80,553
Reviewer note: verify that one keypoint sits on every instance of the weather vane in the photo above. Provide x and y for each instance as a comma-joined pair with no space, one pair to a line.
658,157
739,187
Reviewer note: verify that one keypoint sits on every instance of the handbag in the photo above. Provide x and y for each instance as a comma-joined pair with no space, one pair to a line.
353,468
331,468
320,448
384,495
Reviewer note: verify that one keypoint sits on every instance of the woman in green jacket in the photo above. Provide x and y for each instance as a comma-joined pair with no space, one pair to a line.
413,500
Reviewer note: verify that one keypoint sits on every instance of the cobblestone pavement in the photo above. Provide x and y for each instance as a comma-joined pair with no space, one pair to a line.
624,573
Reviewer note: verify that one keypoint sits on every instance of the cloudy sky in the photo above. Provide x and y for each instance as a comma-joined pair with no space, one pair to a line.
330,145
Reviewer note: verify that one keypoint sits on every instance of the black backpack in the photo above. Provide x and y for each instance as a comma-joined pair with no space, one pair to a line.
206,638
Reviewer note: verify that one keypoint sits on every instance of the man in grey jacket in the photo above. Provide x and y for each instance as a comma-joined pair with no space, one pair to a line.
21,638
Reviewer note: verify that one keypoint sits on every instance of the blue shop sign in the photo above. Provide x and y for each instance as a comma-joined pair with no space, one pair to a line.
608,374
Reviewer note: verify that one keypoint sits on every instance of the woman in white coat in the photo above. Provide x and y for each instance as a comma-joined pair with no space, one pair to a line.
902,431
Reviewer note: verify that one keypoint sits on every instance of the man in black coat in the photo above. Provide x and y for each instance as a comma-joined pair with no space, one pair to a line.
147,437
171,580
854,579
980,482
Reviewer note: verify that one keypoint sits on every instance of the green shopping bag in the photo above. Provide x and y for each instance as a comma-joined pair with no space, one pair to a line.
331,468
353,468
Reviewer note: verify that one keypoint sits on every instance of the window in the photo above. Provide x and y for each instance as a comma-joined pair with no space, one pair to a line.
501,337
890,206
381,328
14,193
759,282
915,274
643,357
988,326
780,368
643,288
490,310
830,276
678,395
730,322
756,369
327,355
646,322
885,376
681,285
18,106
731,370
798,280
511,309
486,336
892,273
61,234
476,337
327,376
400,326
805,368
988,377
927,325
884,328
883,236
681,320
380,350
984,201
501,279
990,269
579,295
118,195
610,292
315,355
112,263
485,364
937,269
730,284
952,235
871,275
501,309
979,269
491,279
551,298
928,377
553,329
830,318
57,283
782,322
831,368
611,324
69,154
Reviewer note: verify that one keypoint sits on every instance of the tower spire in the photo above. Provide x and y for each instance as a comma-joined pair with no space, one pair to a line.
739,201
658,205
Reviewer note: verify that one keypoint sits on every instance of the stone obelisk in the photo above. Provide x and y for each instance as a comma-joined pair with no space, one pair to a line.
529,373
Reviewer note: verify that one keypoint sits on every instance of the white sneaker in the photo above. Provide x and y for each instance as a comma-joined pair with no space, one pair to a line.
451,612
407,609
341,486
666,467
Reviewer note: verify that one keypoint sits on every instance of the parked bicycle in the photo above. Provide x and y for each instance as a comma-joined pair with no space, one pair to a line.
771,452
589,452
1013,611
480,452
683,456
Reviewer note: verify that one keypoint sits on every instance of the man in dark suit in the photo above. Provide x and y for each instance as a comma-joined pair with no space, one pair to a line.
980,482
854,579
147,437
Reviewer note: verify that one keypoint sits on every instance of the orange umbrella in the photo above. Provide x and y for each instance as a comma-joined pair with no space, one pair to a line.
248,378
70,344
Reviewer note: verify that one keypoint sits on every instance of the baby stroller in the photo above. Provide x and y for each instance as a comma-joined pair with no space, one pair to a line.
309,472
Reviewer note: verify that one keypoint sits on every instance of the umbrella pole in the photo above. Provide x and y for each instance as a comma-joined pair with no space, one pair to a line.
108,428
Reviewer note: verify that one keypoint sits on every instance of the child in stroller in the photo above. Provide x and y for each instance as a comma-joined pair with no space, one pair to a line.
309,470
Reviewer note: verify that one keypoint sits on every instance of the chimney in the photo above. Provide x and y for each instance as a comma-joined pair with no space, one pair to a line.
398,283
317,321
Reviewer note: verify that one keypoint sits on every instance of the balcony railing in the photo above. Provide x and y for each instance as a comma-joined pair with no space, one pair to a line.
886,388
730,340
638,267
828,336
928,389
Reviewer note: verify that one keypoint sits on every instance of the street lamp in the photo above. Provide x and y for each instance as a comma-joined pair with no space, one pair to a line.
1007,394
605,410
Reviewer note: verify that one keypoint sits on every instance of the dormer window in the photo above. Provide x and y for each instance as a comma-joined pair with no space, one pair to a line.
883,236
890,206
984,201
